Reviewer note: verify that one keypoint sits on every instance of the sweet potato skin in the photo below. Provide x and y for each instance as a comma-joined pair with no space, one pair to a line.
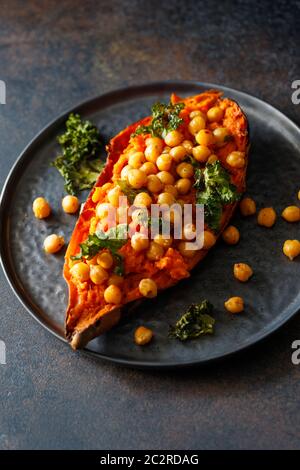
84,319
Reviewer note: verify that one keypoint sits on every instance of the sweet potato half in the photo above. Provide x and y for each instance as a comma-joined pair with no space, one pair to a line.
88,315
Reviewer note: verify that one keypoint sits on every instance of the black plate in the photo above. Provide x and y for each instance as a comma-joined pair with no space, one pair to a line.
272,296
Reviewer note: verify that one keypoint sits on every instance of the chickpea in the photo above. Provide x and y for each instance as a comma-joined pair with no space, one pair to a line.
154,185
291,214
155,142
139,242
173,138
291,248
97,194
205,137
221,135
247,206
266,217
97,274
143,335
165,177
142,199
196,124
136,159
41,208
209,239
178,153
234,304
212,159
155,251
183,185
163,240
166,149
201,153
113,196
113,294
236,159
70,204
215,114
91,261
116,280
151,153
231,235
105,260
166,198
80,271
148,288
185,170
185,251
169,188
189,232
102,210
149,168
137,178
53,243
197,112
242,271
124,172
188,145
164,162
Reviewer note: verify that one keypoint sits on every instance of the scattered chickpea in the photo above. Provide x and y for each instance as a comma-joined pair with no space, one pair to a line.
163,241
183,185
291,214
166,198
154,185
142,199
291,248
113,294
113,196
80,271
149,168
209,239
155,142
173,138
185,250
143,335
136,178
169,188
155,251
105,260
139,242
185,170
242,271
205,137
201,153
102,210
97,274
212,158
189,232
231,235
266,217
97,194
53,243
124,173
165,177
221,135
247,206
234,304
188,145
41,208
236,159
70,204
197,112
178,153
164,162
196,124
136,160
215,114
152,152
148,288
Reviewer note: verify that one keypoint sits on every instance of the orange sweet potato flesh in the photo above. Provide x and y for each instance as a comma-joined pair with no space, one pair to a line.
87,314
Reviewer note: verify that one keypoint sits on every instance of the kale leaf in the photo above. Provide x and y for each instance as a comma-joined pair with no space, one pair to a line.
79,163
165,118
196,321
214,190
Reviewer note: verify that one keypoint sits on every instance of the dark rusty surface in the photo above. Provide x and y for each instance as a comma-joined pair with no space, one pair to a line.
54,54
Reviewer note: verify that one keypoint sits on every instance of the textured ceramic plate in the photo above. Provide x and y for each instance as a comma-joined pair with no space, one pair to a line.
271,297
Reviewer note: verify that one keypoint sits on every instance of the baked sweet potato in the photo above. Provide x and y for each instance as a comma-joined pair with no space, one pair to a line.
88,313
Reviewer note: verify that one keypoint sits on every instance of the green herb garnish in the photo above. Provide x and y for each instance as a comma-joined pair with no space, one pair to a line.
214,190
165,118
79,164
195,322
112,240
128,191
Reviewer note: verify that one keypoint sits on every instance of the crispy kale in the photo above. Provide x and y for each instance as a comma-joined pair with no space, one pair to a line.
196,321
165,118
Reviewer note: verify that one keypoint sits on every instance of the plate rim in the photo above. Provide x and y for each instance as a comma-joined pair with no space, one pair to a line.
48,129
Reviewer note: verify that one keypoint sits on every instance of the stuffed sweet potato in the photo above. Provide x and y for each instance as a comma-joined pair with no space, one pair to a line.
192,151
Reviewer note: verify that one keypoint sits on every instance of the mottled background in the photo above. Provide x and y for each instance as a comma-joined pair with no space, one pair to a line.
54,54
